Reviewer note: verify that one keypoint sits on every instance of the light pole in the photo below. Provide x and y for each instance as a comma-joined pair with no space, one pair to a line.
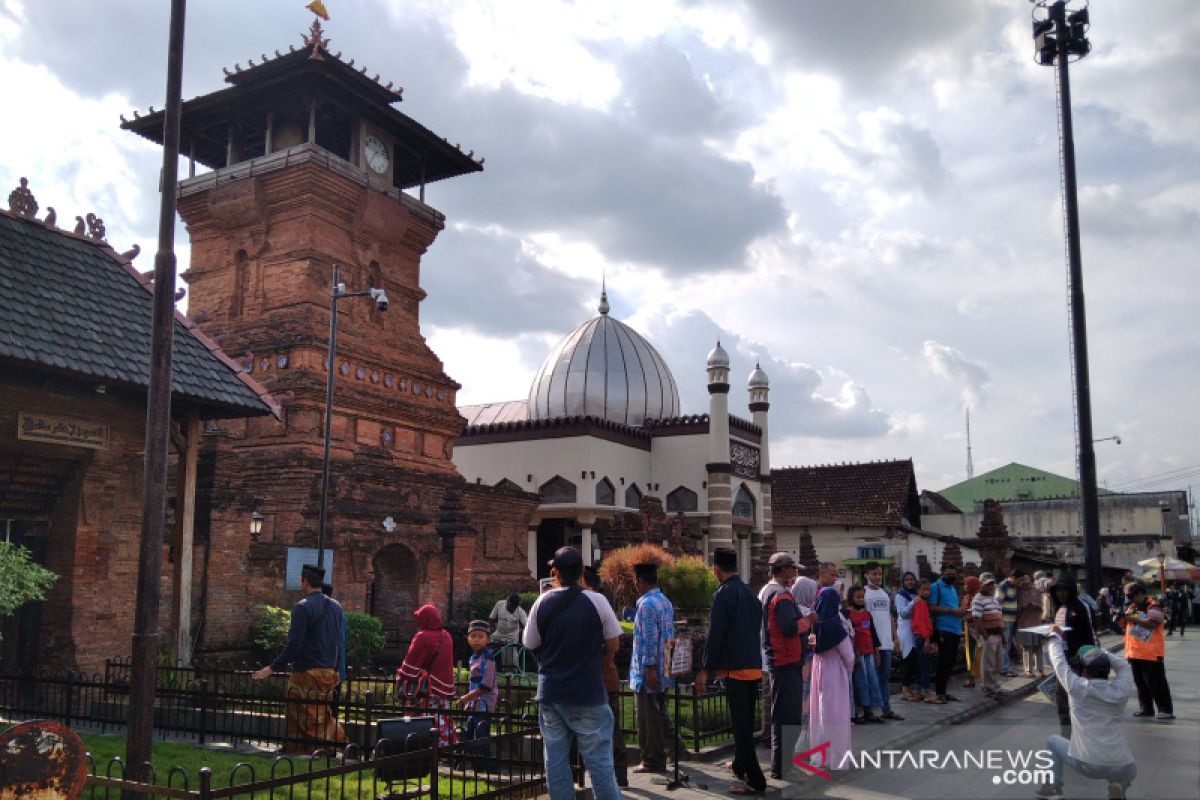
381,303
1060,36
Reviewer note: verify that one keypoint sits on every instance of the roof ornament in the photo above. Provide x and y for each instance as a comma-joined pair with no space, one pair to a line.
95,227
131,253
51,217
315,39
79,226
21,201
603,308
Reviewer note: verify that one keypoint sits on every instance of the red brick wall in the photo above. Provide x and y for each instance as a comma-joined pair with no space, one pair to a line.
95,528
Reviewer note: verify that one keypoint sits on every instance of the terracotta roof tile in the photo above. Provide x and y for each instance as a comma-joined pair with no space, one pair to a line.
880,493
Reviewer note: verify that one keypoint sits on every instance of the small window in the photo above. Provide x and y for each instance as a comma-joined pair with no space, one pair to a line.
606,494
558,490
633,496
871,551
682,499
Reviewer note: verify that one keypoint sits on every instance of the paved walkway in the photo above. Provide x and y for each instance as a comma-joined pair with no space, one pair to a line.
1168,753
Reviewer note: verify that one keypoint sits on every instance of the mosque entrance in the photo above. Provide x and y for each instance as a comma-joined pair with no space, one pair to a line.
394,597
551,535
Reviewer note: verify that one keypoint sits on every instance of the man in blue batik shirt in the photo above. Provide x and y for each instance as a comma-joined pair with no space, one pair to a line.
653,627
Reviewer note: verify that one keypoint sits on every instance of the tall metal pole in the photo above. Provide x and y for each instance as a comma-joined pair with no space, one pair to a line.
140,730
1089,506
330,370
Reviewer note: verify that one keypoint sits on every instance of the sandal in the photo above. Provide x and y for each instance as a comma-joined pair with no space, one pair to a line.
969,683
935,701
742,788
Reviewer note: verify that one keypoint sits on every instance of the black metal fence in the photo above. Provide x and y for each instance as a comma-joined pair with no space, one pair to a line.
227,705
508,769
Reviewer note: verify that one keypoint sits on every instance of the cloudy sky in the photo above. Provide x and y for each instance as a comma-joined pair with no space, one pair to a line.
863,195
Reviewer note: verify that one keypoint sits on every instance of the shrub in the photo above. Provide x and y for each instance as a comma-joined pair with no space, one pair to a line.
21,579
617,569
688,582
364,635
364,638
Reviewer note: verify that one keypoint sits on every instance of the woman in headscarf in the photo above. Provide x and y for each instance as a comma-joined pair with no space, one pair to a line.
805,592
426,677
833,661
905,599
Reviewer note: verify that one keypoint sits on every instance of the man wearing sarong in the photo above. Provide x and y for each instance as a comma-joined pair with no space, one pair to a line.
313,649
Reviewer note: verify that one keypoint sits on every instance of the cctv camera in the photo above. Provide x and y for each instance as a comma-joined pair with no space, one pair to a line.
380,298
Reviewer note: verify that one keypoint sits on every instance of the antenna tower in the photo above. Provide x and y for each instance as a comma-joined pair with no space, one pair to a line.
970,463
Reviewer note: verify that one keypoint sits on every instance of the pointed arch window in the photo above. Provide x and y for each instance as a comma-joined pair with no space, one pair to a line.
682,499
558,490
743,503
633,496
606,493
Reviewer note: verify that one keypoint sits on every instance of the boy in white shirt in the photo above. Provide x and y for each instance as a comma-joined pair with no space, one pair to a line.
879,604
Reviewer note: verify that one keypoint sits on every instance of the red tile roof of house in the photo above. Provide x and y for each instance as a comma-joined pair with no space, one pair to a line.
876,493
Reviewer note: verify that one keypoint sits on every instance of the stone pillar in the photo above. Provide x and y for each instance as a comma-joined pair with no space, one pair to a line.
585,544
531,551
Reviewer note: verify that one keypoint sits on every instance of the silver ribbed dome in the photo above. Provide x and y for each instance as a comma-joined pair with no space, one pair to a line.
758,378
604,368
717,357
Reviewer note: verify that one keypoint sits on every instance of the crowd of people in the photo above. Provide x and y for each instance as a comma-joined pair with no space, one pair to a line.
823,652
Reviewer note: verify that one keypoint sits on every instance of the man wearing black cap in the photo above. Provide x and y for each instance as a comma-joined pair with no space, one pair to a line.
734,652
571,629
314,649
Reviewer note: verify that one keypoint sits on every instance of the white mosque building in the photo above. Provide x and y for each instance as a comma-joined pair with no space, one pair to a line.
601,439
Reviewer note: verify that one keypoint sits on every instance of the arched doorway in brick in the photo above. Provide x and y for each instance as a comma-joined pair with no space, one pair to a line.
394,596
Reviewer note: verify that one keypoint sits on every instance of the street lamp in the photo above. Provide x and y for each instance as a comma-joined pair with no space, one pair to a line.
379,296
1114,439
1060,37
256,521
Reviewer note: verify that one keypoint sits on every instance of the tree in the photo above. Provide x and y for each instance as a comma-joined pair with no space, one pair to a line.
21,579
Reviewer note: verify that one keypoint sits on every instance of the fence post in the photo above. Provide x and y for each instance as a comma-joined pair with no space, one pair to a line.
368,698
695,720
70,699
205,783
202,723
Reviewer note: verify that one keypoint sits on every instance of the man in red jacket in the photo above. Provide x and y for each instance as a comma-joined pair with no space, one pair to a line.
783,633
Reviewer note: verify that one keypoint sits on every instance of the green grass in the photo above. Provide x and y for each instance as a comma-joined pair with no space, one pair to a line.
167,755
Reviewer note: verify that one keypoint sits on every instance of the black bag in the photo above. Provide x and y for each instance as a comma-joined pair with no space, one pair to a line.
403,735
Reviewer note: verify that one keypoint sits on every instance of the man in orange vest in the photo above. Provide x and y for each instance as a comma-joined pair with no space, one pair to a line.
1145,648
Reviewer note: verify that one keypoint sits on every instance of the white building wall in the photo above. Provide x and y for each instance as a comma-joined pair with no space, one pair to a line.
837,543
567,456
679,461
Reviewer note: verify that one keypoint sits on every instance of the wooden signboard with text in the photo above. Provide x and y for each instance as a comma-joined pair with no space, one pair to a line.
62,430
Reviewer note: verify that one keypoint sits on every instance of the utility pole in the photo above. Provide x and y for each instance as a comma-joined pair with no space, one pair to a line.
140,729
1060,36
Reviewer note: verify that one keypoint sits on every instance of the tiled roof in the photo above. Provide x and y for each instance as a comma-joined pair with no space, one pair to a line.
877,493
72,305
943,505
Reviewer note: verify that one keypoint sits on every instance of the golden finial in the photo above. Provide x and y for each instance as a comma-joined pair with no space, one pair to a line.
318,8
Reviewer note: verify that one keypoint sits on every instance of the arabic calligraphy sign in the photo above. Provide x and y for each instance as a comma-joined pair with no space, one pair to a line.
62,430
745,460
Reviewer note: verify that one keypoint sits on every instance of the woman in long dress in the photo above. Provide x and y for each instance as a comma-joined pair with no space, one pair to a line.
829,701
426,677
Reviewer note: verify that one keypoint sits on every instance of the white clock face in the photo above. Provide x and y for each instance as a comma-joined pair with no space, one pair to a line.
376,154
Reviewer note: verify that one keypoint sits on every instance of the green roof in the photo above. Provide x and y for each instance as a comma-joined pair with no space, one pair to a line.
1011,482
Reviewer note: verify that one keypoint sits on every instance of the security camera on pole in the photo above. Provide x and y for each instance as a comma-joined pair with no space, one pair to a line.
379,297
1060,36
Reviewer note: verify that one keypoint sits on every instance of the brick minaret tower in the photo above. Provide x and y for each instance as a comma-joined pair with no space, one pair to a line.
311,167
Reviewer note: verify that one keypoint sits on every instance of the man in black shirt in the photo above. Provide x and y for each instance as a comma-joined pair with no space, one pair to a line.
314,649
